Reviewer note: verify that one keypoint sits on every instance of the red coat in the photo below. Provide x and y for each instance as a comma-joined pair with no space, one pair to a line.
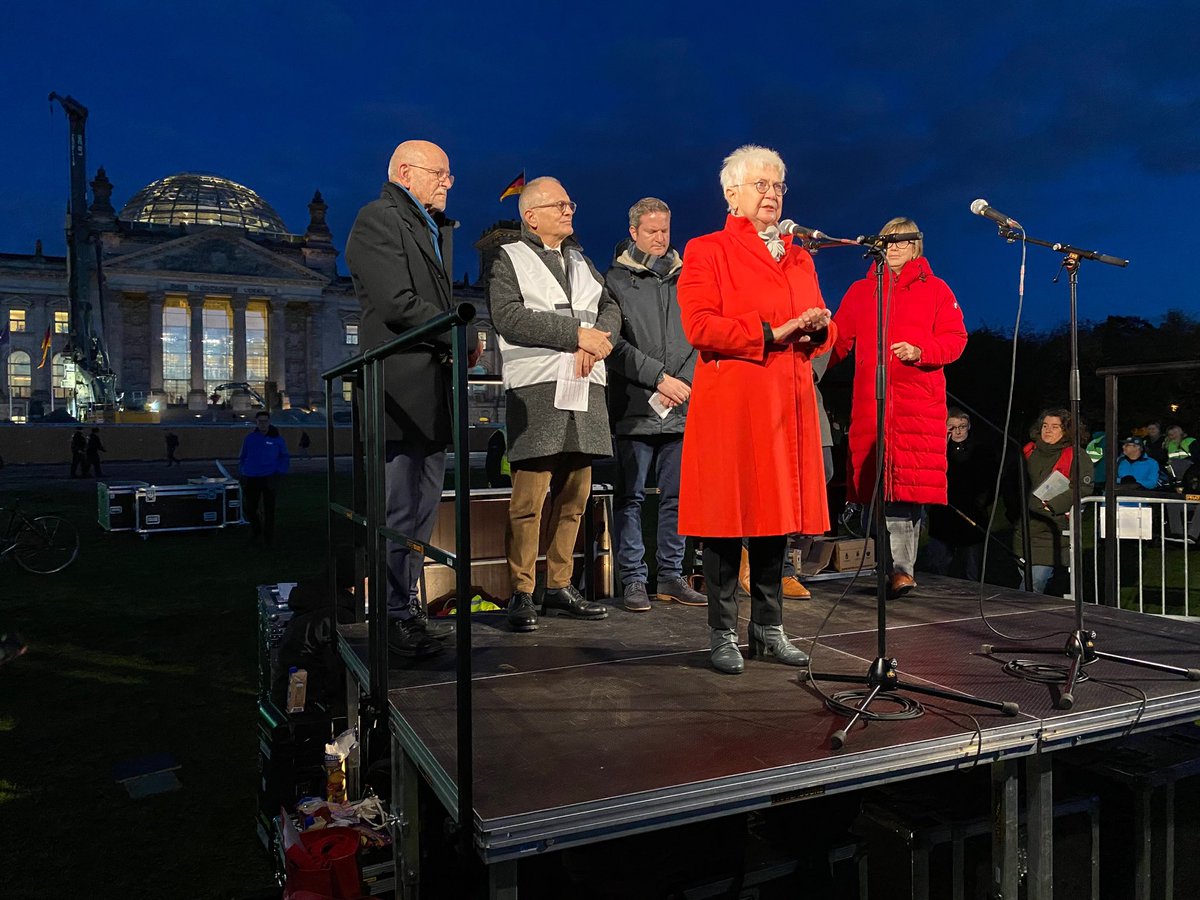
752,462
925,314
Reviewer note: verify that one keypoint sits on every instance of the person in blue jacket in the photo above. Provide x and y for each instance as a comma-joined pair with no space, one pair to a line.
264,458
1135,467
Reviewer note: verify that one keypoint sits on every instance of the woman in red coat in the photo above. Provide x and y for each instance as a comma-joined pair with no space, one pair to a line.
923,331
752,464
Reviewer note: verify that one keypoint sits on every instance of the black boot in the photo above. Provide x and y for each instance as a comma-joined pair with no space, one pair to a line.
566,601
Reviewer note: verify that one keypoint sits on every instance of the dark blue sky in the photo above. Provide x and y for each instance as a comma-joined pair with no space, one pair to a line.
1081,120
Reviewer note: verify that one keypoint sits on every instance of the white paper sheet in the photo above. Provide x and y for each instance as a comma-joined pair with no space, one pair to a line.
571,392
658,406
1056,483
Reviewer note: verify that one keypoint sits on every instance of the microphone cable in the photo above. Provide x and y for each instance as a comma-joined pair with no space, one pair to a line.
843,701
1012,379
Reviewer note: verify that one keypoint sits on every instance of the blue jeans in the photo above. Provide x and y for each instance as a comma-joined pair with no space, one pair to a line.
414,477
635,455
1041,578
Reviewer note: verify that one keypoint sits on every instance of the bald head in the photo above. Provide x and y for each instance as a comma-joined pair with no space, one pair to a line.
546,210
536,191
422,168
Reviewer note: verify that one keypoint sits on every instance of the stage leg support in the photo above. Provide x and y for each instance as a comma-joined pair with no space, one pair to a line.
406,849
1005,830
502,880
1039,826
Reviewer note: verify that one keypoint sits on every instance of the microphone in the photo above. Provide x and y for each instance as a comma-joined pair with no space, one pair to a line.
787,226
980,208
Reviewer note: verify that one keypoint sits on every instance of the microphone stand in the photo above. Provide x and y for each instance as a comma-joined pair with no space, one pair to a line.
1080,647
883,675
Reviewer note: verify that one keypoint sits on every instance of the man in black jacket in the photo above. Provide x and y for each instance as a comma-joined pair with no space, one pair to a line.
399,254
649,384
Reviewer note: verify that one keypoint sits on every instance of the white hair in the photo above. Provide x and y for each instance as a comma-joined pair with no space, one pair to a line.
533,191
733,170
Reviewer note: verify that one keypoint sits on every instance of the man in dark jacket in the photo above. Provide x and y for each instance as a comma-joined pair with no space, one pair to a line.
94,448
554,318
650,376
399,254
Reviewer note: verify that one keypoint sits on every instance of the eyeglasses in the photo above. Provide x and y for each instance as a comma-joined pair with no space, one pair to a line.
901,245
777,187
958,428
561,205
440,174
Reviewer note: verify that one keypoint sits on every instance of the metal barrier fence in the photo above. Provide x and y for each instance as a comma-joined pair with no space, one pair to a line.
1155,552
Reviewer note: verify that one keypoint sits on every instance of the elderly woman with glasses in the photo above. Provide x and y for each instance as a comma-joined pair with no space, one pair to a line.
752,461
923,332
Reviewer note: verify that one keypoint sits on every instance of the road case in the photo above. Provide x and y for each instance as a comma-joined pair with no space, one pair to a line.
115,504
179,507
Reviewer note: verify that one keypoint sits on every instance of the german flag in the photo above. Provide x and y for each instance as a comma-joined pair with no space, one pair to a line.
514,187
46,345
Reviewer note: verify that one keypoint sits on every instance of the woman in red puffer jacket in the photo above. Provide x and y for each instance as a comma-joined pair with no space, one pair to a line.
923,331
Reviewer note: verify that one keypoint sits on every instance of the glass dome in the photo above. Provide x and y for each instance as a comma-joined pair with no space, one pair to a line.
191,198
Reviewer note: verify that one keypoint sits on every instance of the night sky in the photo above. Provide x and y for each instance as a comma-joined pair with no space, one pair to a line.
1080,120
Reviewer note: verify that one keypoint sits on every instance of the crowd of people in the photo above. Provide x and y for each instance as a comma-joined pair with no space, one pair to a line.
700,368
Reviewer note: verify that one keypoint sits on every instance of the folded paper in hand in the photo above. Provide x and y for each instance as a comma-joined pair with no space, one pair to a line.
571,391
1056,483
656,404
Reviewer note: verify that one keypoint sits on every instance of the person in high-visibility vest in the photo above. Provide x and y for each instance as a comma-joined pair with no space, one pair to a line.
1182,451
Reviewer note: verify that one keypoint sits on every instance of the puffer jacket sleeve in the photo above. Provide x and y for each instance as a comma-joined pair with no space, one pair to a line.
949,337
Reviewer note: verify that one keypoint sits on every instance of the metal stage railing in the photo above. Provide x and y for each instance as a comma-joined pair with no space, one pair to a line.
1157,538
367,515
1112,376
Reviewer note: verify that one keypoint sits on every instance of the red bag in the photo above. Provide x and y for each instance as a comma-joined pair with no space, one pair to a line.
325,864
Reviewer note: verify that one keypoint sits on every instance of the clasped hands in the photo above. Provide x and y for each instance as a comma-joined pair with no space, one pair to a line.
799,328
594,345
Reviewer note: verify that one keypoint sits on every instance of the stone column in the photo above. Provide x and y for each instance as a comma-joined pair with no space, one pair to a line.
238,306
114,339
197,396
154,329
277,340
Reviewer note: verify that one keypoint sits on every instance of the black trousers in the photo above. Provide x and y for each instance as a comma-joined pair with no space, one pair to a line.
722,559
256,489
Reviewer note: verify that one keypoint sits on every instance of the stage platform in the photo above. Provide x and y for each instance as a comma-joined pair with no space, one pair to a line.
588,731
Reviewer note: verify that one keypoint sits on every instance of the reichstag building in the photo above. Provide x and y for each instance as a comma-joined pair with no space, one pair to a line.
201,284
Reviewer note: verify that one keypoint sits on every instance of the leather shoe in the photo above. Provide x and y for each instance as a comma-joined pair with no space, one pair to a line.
566,601
636,598
744,572
406,637
899,585
436,630
794,589
522,615
680,591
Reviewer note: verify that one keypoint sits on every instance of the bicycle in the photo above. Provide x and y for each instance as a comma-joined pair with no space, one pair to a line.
42,544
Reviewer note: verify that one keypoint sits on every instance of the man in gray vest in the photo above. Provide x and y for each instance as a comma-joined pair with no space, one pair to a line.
554,319
650,377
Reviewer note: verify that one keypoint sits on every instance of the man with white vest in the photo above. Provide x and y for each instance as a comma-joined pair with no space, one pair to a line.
554,319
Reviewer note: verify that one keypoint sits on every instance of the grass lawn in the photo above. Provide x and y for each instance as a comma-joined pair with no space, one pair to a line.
140,648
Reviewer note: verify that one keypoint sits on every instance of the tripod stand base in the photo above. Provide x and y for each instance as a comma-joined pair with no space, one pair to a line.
1080,649
884,677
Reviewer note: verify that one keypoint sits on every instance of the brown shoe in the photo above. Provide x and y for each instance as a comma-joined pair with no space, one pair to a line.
744,571
899,585
794,589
